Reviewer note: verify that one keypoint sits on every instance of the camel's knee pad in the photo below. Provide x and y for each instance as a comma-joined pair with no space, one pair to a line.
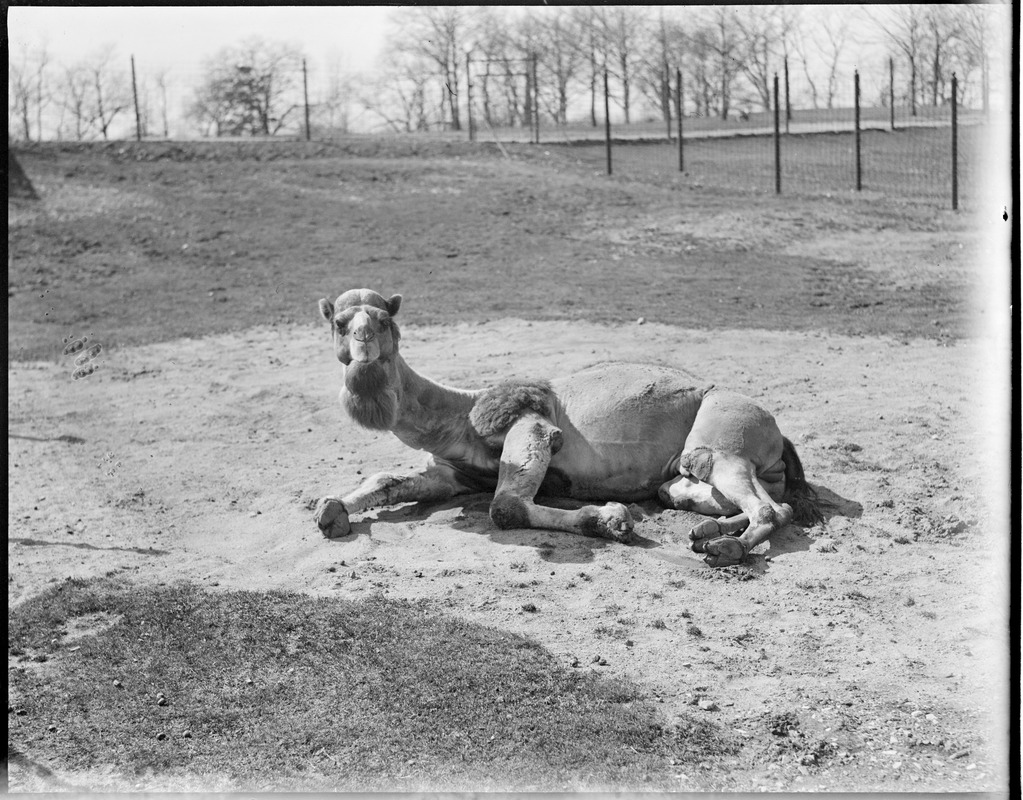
509,511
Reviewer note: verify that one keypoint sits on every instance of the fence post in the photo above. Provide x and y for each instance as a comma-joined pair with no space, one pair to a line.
777,137
135,94
955,142
678,109
891,89
536,99
468,96
666,95
305,95
788,105
856,96
607,124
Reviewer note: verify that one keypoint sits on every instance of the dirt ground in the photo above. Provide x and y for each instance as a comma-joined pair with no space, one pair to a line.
868,653
882,631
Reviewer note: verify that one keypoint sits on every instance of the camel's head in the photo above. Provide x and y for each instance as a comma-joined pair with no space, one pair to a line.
362,324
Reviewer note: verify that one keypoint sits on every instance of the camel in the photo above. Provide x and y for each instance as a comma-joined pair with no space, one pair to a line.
614,433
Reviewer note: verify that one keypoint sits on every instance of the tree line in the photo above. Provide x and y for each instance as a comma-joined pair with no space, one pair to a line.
516,62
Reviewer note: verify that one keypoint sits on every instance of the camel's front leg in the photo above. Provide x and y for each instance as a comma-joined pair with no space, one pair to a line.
528,447
385,489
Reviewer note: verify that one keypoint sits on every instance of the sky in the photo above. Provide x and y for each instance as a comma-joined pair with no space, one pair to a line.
170,36
349,39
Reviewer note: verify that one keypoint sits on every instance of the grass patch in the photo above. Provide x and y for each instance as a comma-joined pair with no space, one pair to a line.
283,691
228,242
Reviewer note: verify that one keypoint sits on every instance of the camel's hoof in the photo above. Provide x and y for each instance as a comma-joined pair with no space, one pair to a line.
723,551
616,523
332,518
707,529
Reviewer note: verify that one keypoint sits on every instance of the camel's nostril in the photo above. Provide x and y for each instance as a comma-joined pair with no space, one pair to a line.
364,335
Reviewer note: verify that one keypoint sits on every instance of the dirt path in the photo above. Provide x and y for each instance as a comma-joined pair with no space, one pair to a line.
877,639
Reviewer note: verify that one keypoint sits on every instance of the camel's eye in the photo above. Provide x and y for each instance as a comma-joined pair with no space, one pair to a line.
340,325
385,323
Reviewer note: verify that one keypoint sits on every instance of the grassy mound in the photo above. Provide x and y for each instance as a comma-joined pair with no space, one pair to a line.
287,691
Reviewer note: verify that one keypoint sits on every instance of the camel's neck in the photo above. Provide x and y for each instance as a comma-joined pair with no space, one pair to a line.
390,395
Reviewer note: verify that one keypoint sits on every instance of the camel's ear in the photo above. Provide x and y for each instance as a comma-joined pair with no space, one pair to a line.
327,309
394,304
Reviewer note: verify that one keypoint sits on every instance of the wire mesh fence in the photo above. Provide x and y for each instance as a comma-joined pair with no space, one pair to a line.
519,95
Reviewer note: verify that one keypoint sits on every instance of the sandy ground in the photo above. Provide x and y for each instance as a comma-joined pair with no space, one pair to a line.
883,630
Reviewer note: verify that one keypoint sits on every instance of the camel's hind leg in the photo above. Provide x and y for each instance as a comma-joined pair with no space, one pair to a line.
528,447
731,436
734,478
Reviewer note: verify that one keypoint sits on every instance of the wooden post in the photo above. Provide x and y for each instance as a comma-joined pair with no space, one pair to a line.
135,94
468,96
891,89
305,92
607,123
536,99
678,111
777,137
955,142
788,105
667,99
856,99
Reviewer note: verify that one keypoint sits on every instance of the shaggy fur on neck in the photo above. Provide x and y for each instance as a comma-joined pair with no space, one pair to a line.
368,396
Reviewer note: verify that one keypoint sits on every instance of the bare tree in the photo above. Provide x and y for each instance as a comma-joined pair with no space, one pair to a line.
336,103
942,30
831,39
725,44
499,67
756,26
591,44
561,59
19,94
42,94
904,27
251,88
75,99
661,51
699,60
436,33
976,36
399,94
802,51
623,28
162,81
110,93
28,93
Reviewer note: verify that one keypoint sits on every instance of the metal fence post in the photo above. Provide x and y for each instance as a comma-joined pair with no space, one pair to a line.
856,96
955,142
678,109
607,124
777,137
135,94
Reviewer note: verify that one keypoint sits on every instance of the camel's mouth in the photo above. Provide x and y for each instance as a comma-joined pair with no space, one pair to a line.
364,352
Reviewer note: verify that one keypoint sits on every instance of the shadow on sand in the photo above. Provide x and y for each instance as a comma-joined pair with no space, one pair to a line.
560,547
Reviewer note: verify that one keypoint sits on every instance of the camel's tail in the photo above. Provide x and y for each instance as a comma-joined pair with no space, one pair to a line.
807,507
